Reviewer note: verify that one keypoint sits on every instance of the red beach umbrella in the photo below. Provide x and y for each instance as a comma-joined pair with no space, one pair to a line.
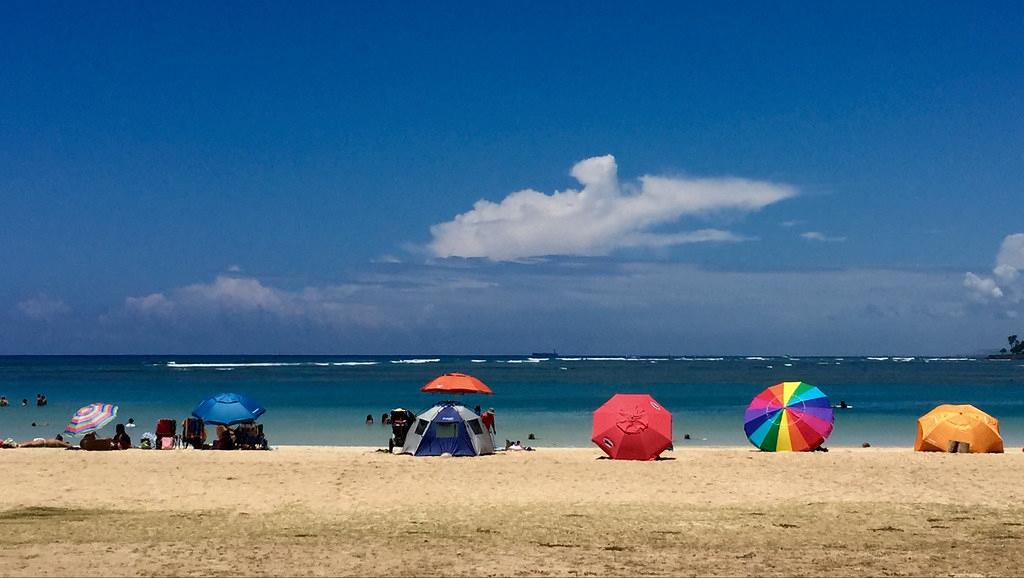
632,426
456,383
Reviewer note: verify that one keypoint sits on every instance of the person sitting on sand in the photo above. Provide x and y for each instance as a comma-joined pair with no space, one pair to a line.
517,446
92,443
121,441
369,419
225,439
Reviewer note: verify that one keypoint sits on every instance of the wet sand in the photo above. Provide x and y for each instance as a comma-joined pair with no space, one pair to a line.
565,512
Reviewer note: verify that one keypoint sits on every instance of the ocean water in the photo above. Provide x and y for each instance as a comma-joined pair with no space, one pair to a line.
324,400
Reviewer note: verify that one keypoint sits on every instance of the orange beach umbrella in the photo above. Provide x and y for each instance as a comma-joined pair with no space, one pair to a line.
960,423
456,383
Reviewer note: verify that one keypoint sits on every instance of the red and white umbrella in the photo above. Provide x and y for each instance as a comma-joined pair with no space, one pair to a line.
632,426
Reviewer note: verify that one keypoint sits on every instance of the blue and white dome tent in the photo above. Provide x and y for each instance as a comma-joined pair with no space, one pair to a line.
448,428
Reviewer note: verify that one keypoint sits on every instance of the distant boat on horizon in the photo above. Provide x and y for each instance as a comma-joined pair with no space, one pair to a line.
551,353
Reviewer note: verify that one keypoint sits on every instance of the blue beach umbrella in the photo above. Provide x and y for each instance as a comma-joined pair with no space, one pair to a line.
228,409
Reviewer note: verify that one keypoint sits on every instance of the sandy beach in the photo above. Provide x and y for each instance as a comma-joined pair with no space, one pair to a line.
567,512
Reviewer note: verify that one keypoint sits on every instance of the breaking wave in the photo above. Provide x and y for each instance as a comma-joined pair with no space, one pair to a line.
176,365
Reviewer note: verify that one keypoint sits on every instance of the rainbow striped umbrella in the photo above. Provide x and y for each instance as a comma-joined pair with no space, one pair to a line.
91,418
792,416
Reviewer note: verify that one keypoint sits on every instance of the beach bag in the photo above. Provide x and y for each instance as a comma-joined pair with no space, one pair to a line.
167,443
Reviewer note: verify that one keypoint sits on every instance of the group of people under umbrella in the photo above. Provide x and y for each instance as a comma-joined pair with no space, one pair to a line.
234,415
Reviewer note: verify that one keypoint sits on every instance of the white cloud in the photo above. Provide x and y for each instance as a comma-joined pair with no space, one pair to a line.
666,240
225,293
1006,273
155,303
821,237
236,298
602,216
1006,286
982,288
43,308
236,292
1011,253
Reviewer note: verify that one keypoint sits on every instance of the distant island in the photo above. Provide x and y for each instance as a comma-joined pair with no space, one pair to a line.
1014,349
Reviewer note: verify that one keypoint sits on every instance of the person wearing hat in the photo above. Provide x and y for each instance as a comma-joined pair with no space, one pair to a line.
488,420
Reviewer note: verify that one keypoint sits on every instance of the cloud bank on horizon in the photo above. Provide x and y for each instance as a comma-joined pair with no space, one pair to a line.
604,215
494,308
43,308
235,296
1005,287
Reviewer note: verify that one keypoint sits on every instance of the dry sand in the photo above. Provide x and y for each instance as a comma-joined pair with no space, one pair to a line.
351,511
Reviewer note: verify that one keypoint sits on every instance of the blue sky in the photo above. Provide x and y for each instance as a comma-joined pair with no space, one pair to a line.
282,178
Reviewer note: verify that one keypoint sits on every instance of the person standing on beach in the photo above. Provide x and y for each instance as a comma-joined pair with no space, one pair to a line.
488,420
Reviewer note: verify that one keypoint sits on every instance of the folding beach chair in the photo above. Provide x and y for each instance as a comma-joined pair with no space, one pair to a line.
193,432
166,434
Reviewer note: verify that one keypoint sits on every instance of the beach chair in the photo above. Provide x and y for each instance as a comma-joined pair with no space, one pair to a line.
193,432
166,434
249,436
401,421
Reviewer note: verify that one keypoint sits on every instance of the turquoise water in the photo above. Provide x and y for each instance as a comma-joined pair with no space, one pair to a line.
325,399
